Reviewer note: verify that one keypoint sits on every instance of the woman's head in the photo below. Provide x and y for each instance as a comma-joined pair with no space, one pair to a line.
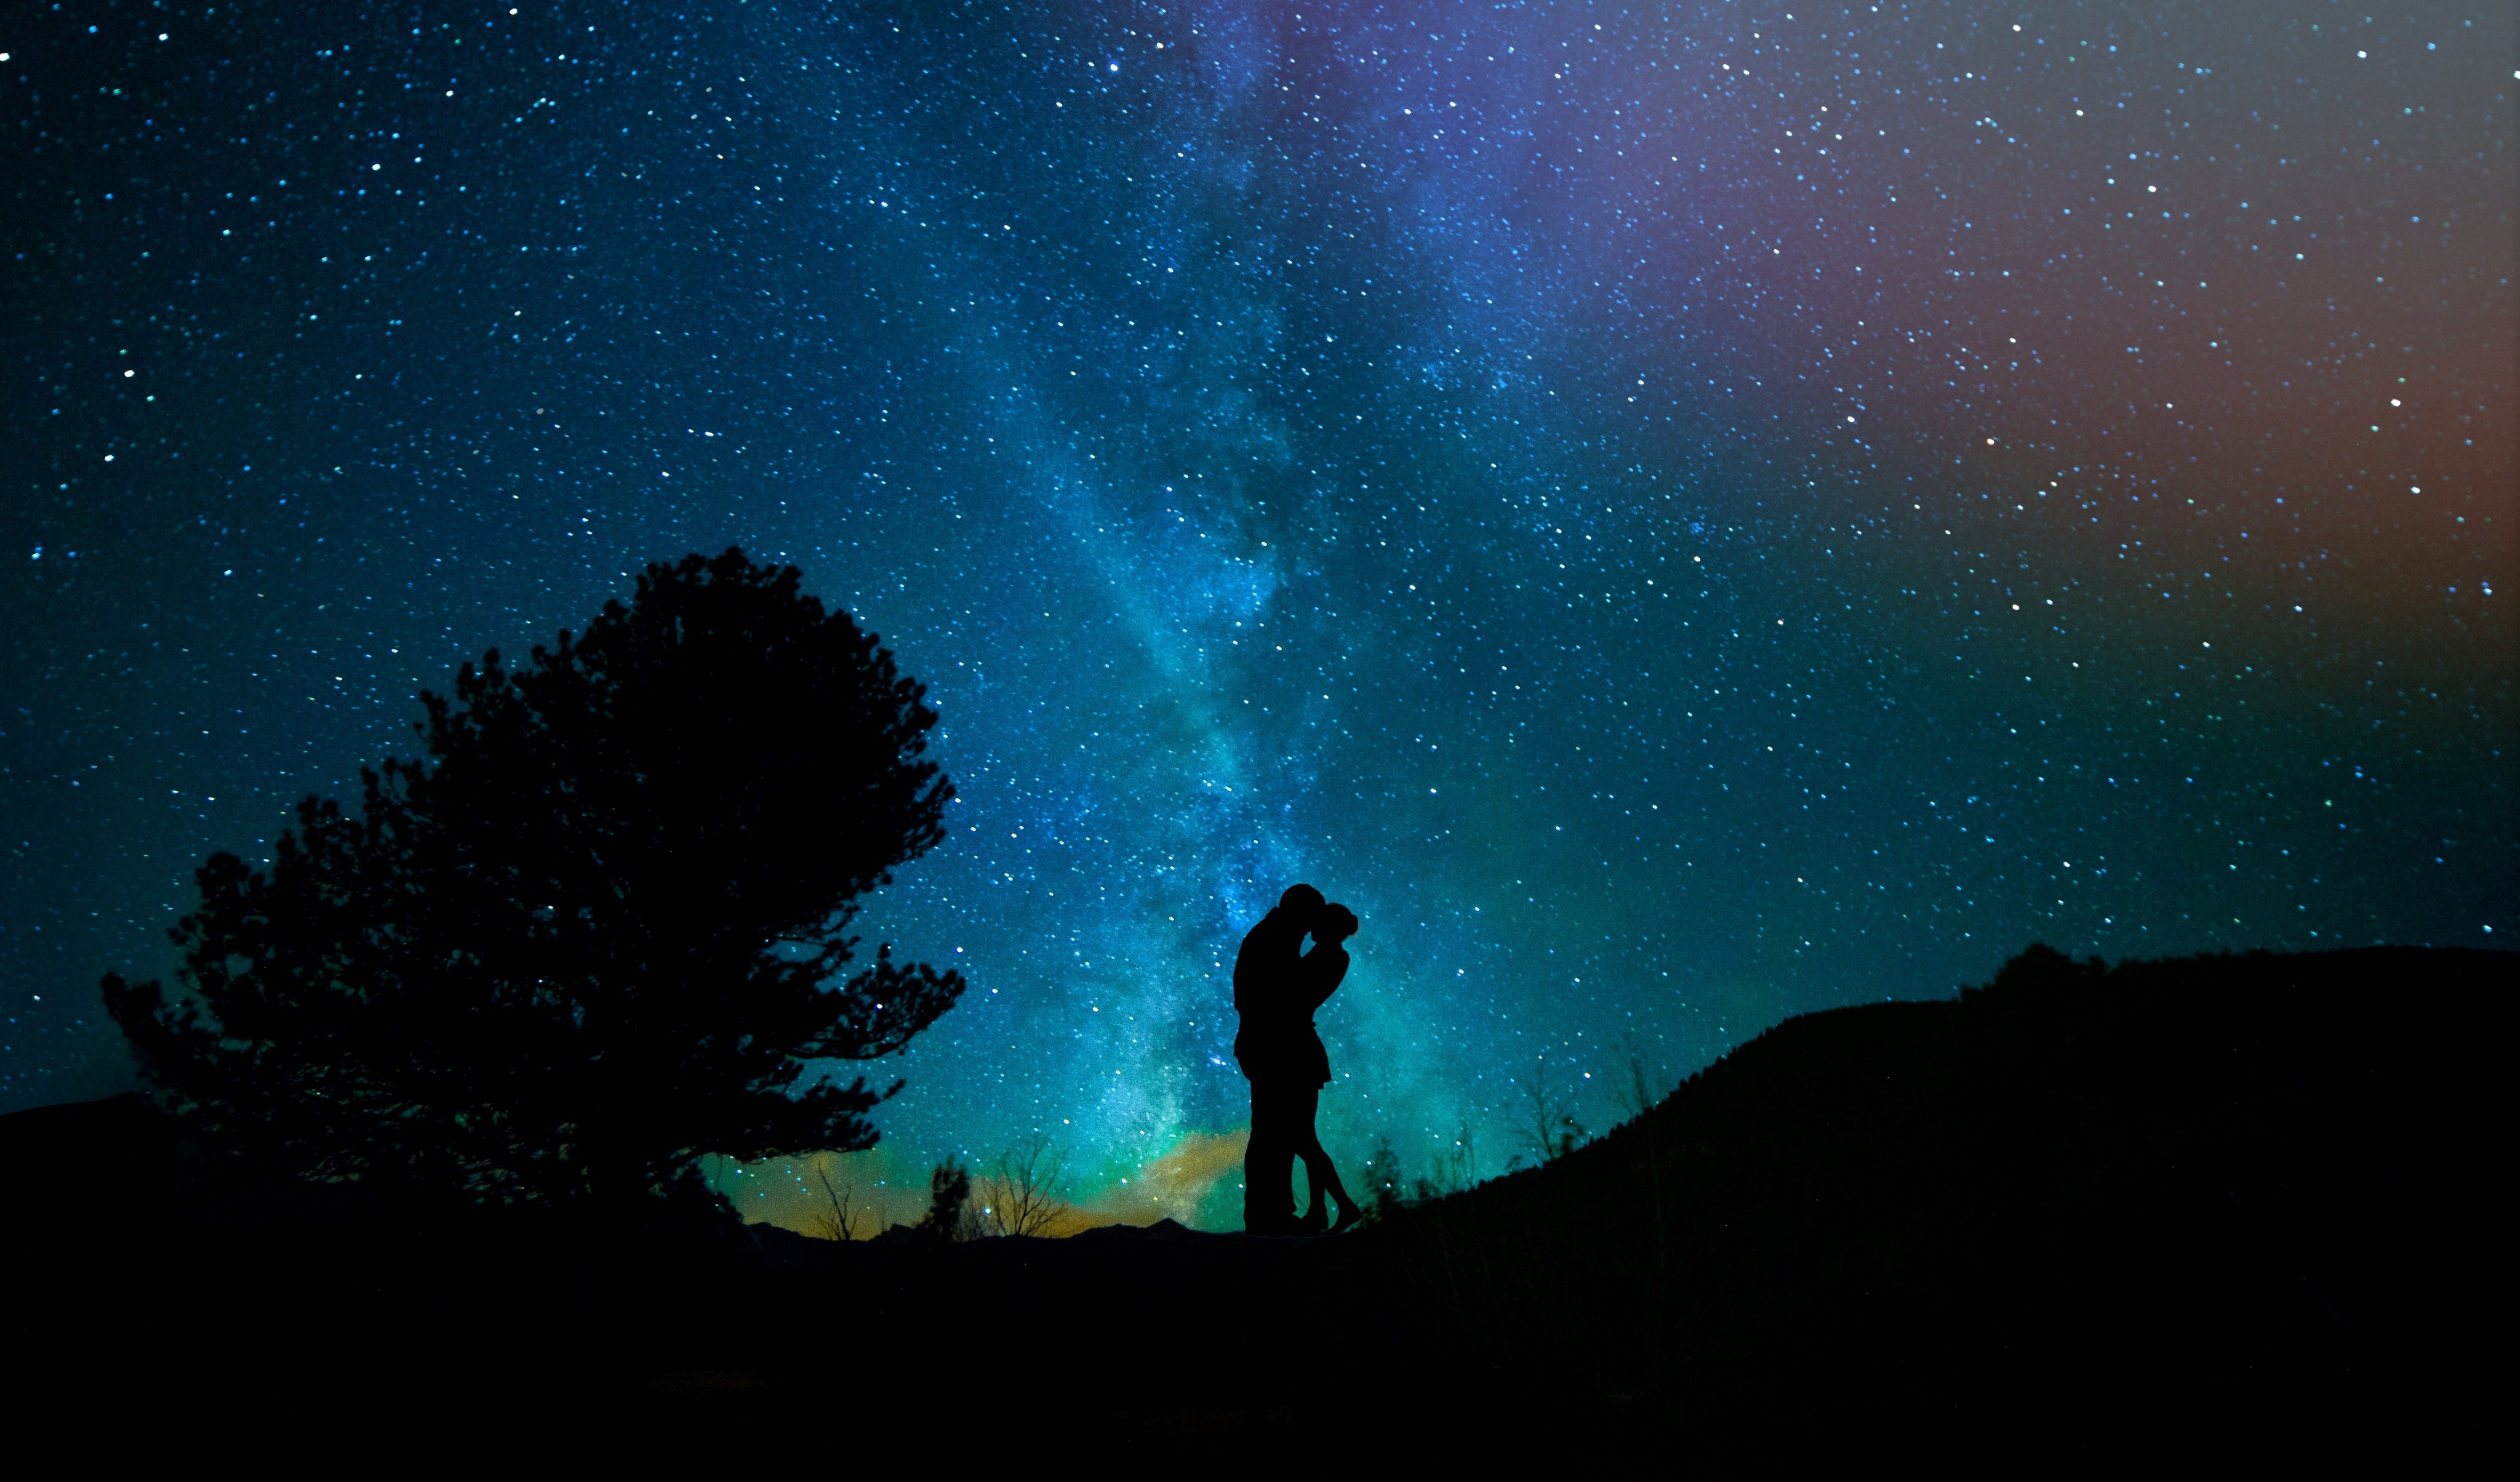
1336,924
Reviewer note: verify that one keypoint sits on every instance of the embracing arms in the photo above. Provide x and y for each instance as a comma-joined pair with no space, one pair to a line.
1322,969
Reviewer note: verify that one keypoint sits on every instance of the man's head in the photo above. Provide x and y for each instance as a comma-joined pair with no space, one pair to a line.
1301,901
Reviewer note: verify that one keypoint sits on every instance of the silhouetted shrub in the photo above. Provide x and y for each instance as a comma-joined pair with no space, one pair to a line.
949,1214
1387,1188
595,936
1020,1191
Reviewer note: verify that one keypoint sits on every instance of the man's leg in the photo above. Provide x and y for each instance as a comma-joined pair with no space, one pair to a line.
1269,1164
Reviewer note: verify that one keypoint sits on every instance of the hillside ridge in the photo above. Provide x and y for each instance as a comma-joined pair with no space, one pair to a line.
2183,1191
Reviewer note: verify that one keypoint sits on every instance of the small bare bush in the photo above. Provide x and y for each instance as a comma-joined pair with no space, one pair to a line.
845,1214
1548,1114
1018,1193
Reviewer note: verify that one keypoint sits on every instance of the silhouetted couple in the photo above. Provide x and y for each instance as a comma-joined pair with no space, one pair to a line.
1277,987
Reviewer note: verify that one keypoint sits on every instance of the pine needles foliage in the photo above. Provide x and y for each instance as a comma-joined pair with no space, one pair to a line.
598,931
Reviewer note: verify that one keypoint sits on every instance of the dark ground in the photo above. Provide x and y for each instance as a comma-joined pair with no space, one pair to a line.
2235,1205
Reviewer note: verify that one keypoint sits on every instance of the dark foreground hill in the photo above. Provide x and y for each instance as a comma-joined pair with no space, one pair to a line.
2236,1192
2245,1199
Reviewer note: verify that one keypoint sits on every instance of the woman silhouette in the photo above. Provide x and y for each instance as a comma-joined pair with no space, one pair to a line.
1317,977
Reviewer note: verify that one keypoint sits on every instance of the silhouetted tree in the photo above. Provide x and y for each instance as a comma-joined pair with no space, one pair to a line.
1642,1090
1387,1188
1549,1113
841,1216
1453,1170
1021,1189
597,934
949,1214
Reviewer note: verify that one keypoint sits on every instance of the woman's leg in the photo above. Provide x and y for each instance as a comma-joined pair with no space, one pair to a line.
1319,1171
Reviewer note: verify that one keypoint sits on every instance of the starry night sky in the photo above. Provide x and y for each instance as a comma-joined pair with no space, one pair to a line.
1679,514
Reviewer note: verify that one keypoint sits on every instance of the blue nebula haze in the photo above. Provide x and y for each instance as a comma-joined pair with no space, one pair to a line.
1679,514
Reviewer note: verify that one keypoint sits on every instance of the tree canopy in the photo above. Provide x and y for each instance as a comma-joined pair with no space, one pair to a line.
598,931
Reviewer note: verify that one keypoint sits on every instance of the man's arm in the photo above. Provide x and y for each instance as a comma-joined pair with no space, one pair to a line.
1246,968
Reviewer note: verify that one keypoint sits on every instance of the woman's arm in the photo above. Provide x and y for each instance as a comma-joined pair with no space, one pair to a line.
1325,967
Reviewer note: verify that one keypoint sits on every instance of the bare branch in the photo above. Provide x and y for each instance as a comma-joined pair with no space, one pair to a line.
1550,1126
1643,1089
1020,1191
840,1217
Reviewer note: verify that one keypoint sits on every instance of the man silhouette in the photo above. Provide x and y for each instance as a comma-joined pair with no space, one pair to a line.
1268,1049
